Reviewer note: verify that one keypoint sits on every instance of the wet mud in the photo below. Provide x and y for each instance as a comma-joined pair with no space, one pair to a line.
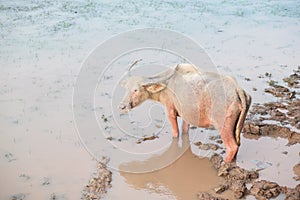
244,182
235,177
284,114
254,130
99,183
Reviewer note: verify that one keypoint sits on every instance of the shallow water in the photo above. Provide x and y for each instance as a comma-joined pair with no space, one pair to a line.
42,47
183,179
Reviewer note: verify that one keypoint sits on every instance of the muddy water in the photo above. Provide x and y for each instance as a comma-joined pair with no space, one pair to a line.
275,159
183,179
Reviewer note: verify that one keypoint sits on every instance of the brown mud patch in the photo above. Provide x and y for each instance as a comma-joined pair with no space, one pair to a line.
284,111
146,138
244,182
275,119
235,177
255,130
99,183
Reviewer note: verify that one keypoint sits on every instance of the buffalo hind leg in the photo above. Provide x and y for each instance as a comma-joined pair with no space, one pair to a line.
185,127
228,138
227,132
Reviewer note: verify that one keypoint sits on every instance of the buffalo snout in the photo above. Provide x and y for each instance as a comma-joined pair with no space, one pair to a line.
124,108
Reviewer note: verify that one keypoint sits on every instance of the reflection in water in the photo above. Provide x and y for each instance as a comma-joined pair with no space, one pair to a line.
183,179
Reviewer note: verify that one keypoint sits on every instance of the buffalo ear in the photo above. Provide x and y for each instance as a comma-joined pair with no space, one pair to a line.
123,83
155,87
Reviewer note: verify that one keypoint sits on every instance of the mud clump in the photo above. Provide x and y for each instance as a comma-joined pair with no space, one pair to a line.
254,130
277,90
293,79
20,196
291,194
221,188
147,138
265,189
208,146
283,112
235,177
99,183
296,170
286,110
207,196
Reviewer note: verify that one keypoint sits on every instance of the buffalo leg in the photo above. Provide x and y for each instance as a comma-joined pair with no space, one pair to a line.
185,127
226,130
172,114
228,138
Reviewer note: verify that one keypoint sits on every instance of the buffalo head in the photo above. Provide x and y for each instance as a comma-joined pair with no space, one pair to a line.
138,89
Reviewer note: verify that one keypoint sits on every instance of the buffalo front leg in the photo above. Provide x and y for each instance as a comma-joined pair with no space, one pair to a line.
173,120
185,127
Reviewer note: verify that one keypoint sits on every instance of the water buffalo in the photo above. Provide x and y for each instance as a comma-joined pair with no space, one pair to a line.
202,99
